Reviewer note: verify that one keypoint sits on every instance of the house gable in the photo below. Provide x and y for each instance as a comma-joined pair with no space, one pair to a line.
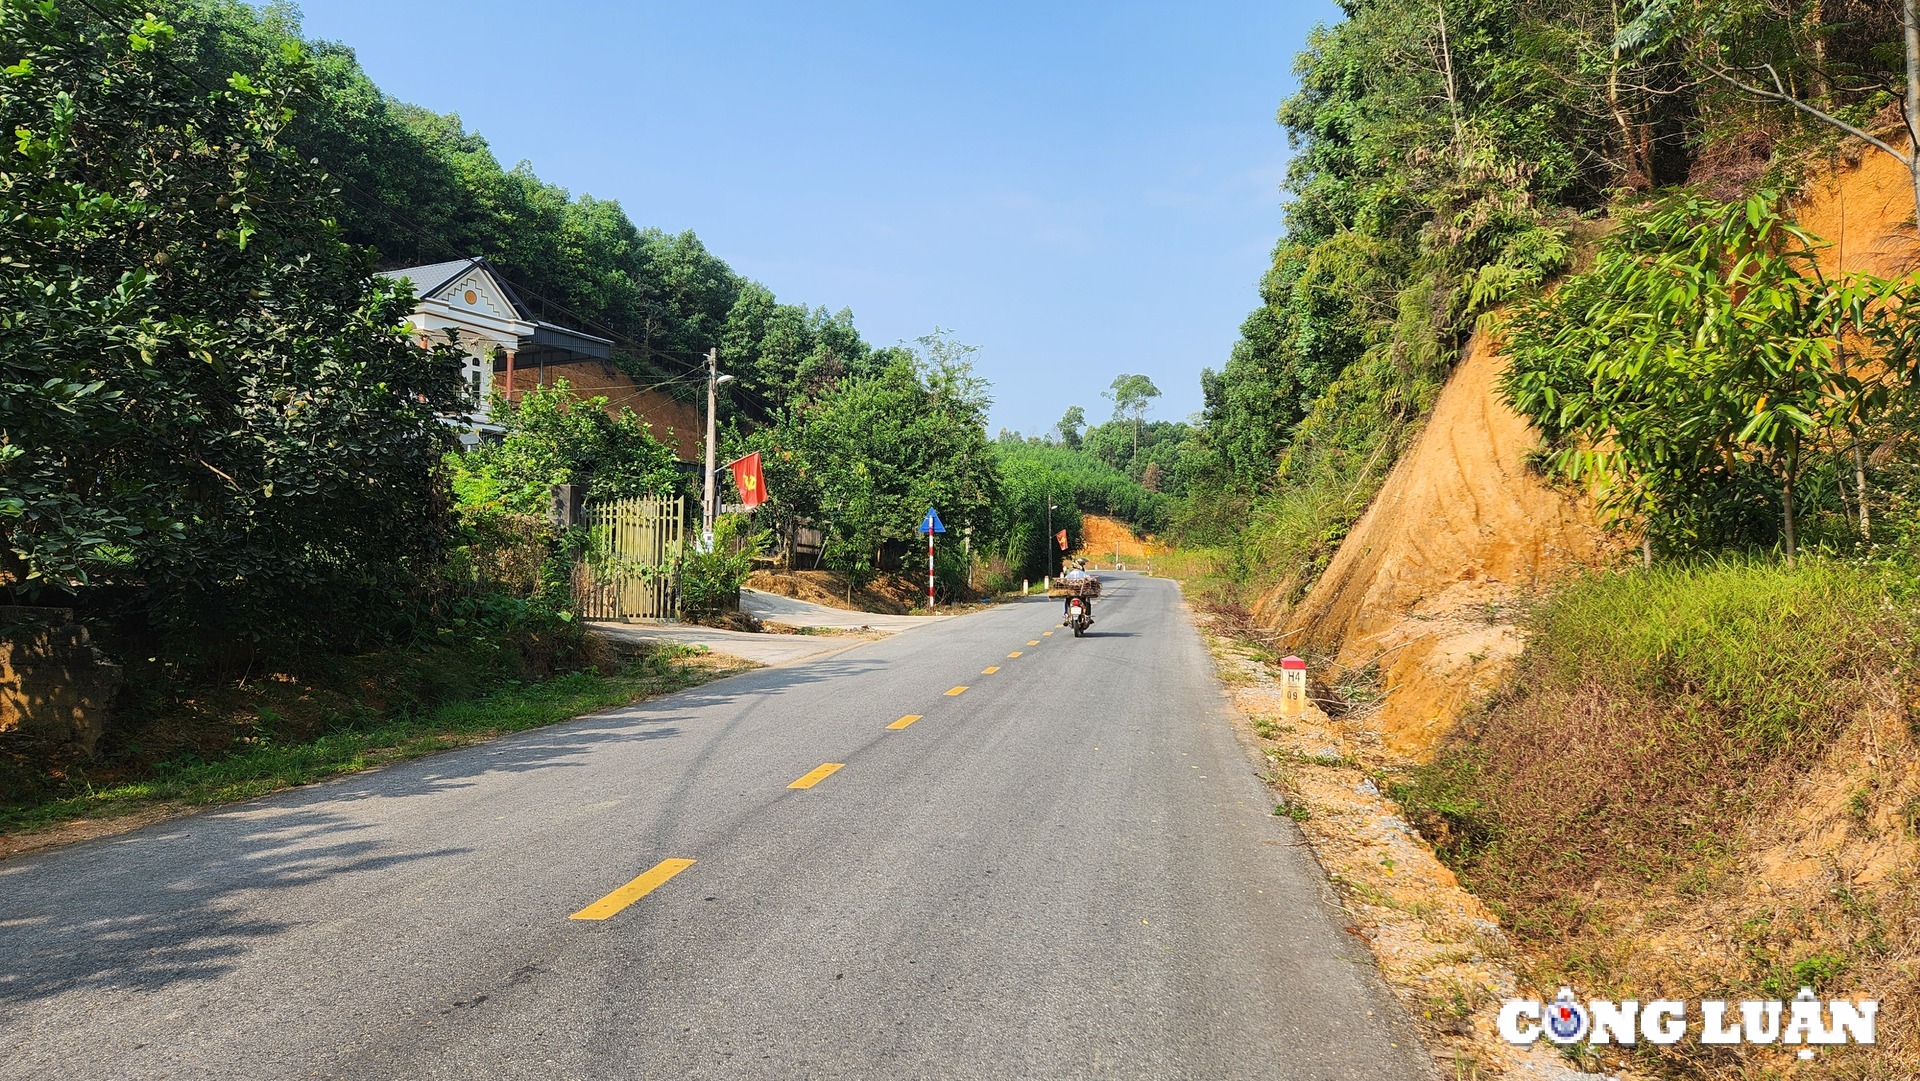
475,292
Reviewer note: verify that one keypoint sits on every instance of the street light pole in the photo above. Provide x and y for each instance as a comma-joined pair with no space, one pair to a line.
1047,565
714,379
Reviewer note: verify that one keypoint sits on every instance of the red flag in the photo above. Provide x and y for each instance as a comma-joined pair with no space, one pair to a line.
1062,538
750,480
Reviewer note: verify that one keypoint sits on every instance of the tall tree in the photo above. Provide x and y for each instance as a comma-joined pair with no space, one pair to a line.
210,417
1131,395
865,459
1069,425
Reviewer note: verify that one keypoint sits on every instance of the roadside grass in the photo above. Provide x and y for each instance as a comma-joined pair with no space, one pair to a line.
1681,784
1649,710
260,764
1200,569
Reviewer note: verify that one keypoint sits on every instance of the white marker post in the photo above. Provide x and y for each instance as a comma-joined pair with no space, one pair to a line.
1293,686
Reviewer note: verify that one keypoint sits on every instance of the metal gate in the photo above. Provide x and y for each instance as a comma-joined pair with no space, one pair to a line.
631,568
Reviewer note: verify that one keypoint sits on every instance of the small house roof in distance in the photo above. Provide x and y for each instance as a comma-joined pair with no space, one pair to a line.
473,287
429,278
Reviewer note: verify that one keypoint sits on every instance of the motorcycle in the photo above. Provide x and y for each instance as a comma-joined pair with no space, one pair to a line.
1077,617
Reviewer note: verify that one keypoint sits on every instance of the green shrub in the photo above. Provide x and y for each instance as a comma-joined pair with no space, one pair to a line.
710,581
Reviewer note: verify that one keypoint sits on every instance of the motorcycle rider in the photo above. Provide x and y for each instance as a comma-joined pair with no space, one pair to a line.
1079,571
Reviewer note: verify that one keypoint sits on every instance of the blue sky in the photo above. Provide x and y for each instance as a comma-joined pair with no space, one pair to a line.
1079,189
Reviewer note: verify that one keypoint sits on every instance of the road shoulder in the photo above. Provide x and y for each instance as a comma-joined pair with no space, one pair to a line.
1437,947
386,740
807,631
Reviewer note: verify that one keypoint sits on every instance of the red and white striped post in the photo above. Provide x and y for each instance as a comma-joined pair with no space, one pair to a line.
931,525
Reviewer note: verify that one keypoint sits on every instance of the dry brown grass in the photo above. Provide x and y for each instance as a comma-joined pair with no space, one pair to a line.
1702,783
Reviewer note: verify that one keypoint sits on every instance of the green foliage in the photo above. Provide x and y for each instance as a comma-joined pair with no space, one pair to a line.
1165,447
1292,808
211,419
554,437
1074,419
1131,395
421,188
1442,172
1406,219
866,457
710,581
1696,363
426,713
1651,709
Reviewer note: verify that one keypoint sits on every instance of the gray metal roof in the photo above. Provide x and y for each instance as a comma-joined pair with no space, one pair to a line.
567,338
432,276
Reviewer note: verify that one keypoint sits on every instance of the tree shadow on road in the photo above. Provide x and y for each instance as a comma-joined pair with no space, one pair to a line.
96,916
181,901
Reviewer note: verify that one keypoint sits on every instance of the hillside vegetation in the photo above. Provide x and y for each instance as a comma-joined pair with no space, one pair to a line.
225,460
1456,157
1629,633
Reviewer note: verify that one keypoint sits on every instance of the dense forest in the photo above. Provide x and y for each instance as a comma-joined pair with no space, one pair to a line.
418,187
1452,160
1610,194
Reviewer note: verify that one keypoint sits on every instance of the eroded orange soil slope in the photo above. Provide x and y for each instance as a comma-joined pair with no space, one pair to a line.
1428,582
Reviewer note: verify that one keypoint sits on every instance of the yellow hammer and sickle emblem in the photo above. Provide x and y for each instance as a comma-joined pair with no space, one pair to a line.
752,482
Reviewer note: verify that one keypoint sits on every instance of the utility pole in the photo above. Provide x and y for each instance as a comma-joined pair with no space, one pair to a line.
1046,565
714,379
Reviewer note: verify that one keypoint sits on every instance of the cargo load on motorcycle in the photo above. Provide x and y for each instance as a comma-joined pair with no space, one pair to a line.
1075,587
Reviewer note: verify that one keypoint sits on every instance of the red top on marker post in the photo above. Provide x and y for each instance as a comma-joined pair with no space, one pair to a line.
1293,686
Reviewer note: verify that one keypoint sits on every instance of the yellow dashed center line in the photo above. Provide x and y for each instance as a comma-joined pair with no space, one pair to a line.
1046,634
632,891
1015,653
956,690
989,671
905,721
1035,642
818,775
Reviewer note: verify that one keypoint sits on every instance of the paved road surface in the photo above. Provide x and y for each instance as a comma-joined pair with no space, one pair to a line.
1020,883
773,649
798,613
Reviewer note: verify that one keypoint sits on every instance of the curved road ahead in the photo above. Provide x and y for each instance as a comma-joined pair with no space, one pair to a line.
1066,869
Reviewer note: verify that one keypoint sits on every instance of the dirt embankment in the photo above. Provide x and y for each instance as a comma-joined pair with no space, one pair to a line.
1863,207
1426,584
1104,539
1421,604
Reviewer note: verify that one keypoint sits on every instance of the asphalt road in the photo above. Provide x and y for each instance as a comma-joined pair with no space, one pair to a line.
1066,870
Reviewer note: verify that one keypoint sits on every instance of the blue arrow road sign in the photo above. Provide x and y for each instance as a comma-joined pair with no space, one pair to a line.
931,523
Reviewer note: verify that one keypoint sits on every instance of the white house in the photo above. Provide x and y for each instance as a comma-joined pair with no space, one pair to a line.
495,328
